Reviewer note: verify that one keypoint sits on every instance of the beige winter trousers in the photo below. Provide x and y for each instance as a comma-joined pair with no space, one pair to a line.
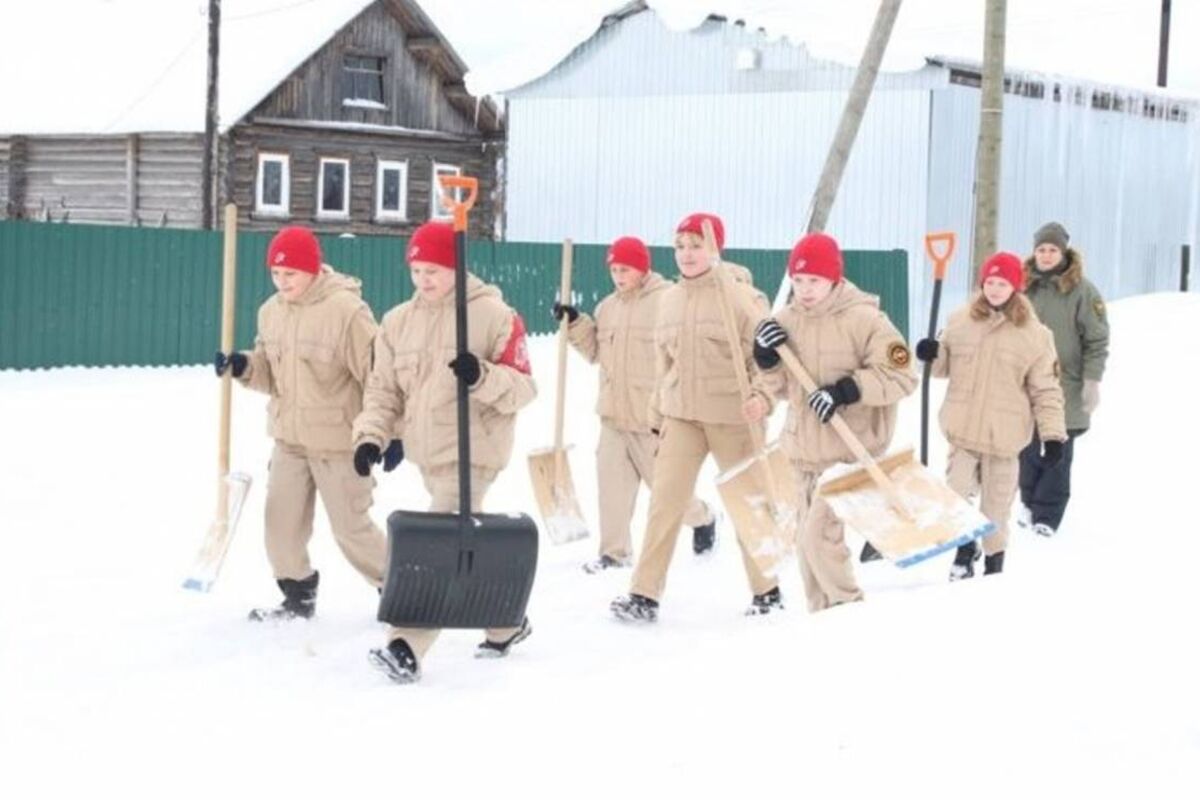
825,563
681,451
294,479
995,478
624,461
442,485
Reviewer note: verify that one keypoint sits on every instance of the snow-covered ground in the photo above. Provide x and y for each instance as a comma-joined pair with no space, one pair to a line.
1074,674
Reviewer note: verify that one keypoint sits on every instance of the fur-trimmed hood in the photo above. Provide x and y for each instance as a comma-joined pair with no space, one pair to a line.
1068,280
1018,309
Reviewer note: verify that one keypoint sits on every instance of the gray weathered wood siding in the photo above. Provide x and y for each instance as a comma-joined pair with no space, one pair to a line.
5,147
79,178
413,89
148,179
305,147
168,179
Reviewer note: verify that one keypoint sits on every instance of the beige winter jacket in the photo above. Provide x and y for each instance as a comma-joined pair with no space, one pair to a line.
621,339
313,357
412,390
1003,375
694,369
844,335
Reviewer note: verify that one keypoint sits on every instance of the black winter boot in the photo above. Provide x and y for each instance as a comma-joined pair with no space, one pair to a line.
994,564
765,603
397,661
489,649
299,600
703,537
869,553
964,561
634,608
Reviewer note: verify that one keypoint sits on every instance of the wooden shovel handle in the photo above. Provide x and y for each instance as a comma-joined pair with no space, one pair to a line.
568,250
886,485
459,209
228,305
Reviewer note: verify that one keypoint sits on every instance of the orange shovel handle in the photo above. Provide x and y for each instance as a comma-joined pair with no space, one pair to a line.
941,260
460,210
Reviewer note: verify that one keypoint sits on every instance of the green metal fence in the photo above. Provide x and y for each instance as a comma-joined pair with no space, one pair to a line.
84,295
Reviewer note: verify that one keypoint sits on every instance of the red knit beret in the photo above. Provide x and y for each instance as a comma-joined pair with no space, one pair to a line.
630,251
433,242
817,254
1004,265
692,224
295,248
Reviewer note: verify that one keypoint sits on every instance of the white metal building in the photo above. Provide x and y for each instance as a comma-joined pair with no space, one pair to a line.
641,124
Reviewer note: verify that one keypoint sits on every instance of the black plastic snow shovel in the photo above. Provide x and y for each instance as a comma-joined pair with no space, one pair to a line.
459,570
941,259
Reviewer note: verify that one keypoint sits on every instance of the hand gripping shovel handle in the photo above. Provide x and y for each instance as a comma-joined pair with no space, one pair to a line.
563,325
940,249
725,300
460,209
885,484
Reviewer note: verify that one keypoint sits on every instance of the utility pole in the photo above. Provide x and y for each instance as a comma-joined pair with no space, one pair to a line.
209,161
987,154
1164,42
852,114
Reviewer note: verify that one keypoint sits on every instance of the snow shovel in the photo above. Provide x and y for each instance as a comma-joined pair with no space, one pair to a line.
232,488
896,504
463,570
940,262
549,469
753,490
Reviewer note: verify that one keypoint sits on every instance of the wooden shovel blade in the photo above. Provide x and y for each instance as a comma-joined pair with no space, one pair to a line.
766,530
204,572
940,519
554,490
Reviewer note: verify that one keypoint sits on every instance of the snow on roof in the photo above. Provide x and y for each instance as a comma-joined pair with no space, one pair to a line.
120,66
1111,42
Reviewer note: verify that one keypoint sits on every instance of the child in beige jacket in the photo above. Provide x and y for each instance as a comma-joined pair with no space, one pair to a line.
1003,373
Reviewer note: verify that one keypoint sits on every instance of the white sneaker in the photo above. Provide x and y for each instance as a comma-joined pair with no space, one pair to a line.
1024,516
1042,529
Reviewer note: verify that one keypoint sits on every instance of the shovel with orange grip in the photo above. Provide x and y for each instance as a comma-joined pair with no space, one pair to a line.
940,249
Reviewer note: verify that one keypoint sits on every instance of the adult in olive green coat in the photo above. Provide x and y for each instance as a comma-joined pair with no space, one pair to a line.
1069,305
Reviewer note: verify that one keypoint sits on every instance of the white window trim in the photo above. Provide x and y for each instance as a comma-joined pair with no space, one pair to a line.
322,213
388,215
435,191
268,209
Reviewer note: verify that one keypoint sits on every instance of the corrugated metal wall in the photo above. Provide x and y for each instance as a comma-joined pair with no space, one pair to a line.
1124,185
101,295
641,124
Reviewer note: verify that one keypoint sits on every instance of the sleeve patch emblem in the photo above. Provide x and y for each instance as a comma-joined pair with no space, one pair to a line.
899,355
1098,307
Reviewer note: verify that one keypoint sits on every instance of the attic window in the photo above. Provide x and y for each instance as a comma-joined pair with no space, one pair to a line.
362,81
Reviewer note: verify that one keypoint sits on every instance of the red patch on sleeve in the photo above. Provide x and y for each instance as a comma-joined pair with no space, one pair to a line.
516,353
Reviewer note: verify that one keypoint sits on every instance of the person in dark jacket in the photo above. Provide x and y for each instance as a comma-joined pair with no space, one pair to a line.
1069,305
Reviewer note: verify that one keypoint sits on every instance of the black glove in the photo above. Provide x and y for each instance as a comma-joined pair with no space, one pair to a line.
768,335
466,367
393,455
829,399
559,309
235,361
1052,454
366,455
927,350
